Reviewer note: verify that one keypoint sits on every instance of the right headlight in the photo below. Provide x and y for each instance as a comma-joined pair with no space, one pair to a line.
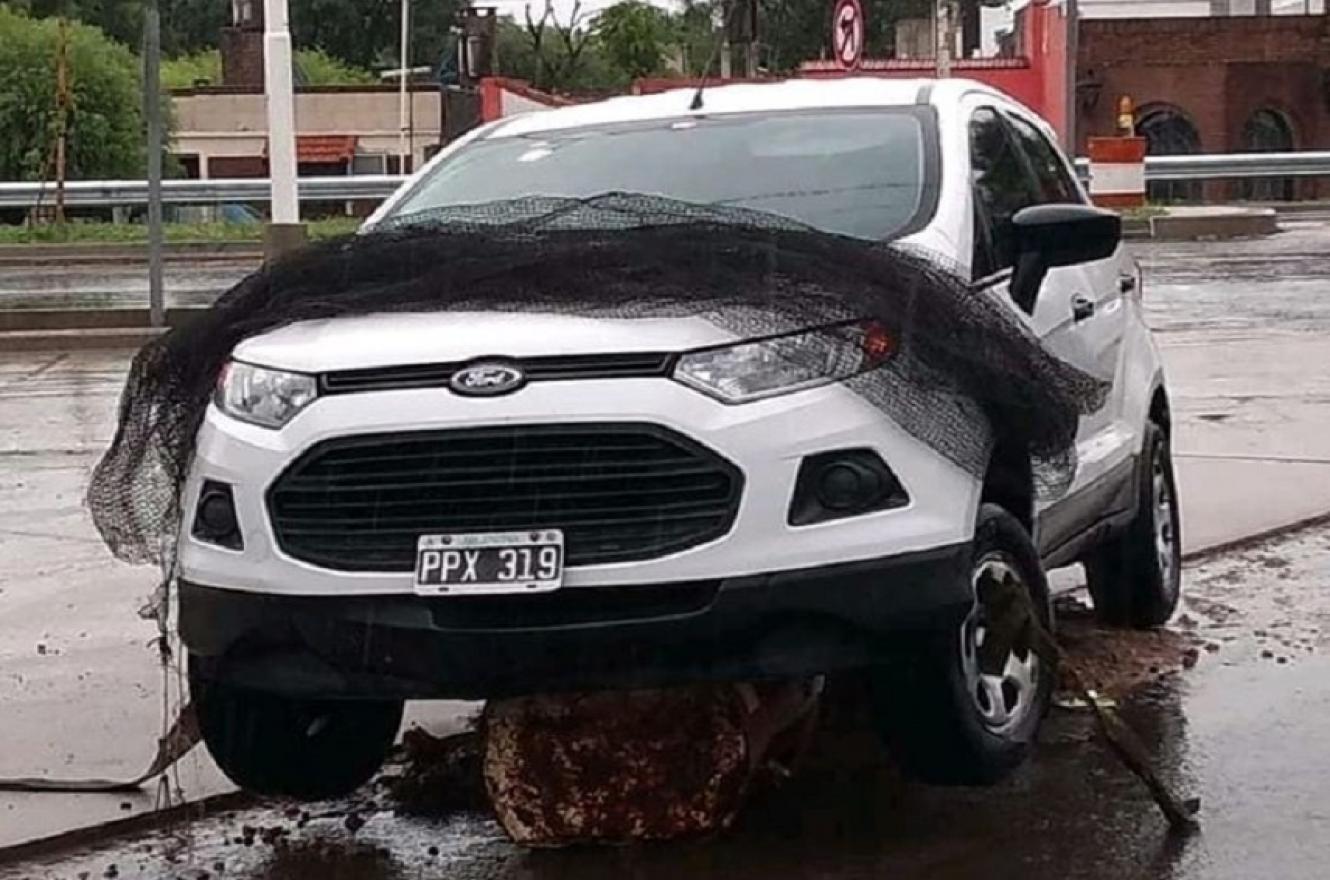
263,396
762,368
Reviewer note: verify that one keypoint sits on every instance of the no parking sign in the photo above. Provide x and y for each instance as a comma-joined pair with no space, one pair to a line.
847,33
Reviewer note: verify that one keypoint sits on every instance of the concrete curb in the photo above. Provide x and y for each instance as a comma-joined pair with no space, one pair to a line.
193,251
1193,224
49,320
91,835
1204,554
80,339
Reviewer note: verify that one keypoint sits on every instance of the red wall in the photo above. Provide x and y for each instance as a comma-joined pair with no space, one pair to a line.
1036,77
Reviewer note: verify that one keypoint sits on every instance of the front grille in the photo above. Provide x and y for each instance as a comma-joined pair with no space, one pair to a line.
537,369
619,492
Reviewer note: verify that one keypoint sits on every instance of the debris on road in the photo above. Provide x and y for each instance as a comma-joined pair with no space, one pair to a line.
638,765
1012,619
440,776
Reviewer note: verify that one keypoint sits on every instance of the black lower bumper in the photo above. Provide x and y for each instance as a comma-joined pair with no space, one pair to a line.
762,626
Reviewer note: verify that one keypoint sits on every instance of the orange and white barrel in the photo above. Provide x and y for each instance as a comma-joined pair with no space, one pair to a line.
1117,171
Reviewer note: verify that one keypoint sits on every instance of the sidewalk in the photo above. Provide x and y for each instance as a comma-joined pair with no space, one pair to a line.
1253,431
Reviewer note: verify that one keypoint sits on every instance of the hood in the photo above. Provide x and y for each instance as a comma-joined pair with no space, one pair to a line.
384,340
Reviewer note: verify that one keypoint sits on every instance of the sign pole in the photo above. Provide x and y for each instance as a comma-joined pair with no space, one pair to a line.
152,109
943,39
1072,44
285,231
404,148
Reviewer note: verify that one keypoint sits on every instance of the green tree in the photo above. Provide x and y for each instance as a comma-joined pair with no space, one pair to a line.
315,67
555,55
635,37
105,122
697,34
188,26
186,70
365,33
121,20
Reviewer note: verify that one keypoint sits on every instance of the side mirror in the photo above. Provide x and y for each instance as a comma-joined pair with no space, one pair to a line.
1048,236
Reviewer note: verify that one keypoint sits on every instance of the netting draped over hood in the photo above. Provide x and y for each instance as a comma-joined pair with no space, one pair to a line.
966,368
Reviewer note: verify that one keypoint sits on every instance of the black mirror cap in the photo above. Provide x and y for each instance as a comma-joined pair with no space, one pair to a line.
1067,234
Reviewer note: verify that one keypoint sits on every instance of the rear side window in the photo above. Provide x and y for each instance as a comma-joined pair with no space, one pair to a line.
1055,183
1002,185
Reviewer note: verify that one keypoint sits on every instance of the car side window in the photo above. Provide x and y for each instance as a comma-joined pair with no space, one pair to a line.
1055,183
1002,186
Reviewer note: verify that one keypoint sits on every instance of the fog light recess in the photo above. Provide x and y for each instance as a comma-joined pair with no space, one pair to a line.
849,482
215,519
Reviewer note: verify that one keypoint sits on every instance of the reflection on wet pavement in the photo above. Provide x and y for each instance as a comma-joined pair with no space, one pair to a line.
1243,730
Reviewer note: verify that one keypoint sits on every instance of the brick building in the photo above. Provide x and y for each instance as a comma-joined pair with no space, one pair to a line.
1220,84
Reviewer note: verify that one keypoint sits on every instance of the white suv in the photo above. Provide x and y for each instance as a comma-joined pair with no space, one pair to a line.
346,544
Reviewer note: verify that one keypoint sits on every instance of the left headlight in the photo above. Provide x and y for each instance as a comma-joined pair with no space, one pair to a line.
763,368
262,396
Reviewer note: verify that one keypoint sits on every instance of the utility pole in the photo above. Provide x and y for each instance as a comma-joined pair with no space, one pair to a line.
152,111
405,146
1073,44
284,232
943,38
62,102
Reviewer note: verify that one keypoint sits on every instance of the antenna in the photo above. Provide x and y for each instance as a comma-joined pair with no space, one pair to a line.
722,38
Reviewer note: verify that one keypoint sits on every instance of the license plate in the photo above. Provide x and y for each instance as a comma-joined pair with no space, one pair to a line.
489,563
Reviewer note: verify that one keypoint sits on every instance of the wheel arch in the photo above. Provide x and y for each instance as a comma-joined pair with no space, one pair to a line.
1009,482
1160,412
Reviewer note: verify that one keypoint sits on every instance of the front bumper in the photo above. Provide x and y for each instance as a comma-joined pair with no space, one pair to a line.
766,440
789,623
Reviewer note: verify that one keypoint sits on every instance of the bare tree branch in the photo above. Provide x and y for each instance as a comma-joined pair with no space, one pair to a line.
535,30
575,39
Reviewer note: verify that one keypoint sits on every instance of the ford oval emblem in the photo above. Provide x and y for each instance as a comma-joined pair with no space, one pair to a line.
487,379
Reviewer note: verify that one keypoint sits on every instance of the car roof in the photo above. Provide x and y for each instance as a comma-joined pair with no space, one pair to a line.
795,94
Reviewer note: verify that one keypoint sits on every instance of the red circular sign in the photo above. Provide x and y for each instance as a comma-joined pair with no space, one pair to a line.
847,33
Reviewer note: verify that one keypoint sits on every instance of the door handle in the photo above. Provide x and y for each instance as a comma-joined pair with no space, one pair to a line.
1126,283
1082,307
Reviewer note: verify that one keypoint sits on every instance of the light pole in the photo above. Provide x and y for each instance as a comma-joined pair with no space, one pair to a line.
285,232
1073,47
404,148
943,39
152,109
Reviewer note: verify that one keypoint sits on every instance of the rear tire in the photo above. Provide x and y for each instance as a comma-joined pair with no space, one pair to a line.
304,749
945,720
1135,579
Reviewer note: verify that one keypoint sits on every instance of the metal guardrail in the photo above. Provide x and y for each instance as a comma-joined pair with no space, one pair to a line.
1301,164
110,193
1229,165
373,187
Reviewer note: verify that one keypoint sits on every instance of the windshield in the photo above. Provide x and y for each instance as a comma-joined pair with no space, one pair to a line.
856,173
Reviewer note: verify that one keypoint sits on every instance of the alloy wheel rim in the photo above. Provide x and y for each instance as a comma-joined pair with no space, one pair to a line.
1004,700
1165,533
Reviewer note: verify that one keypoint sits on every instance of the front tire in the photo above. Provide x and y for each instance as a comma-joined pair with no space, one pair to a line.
946,720
1135,579
304,749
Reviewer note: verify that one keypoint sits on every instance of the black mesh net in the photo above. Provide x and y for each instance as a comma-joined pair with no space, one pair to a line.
966,370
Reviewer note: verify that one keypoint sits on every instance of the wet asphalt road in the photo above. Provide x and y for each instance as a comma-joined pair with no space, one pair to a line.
1242,730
